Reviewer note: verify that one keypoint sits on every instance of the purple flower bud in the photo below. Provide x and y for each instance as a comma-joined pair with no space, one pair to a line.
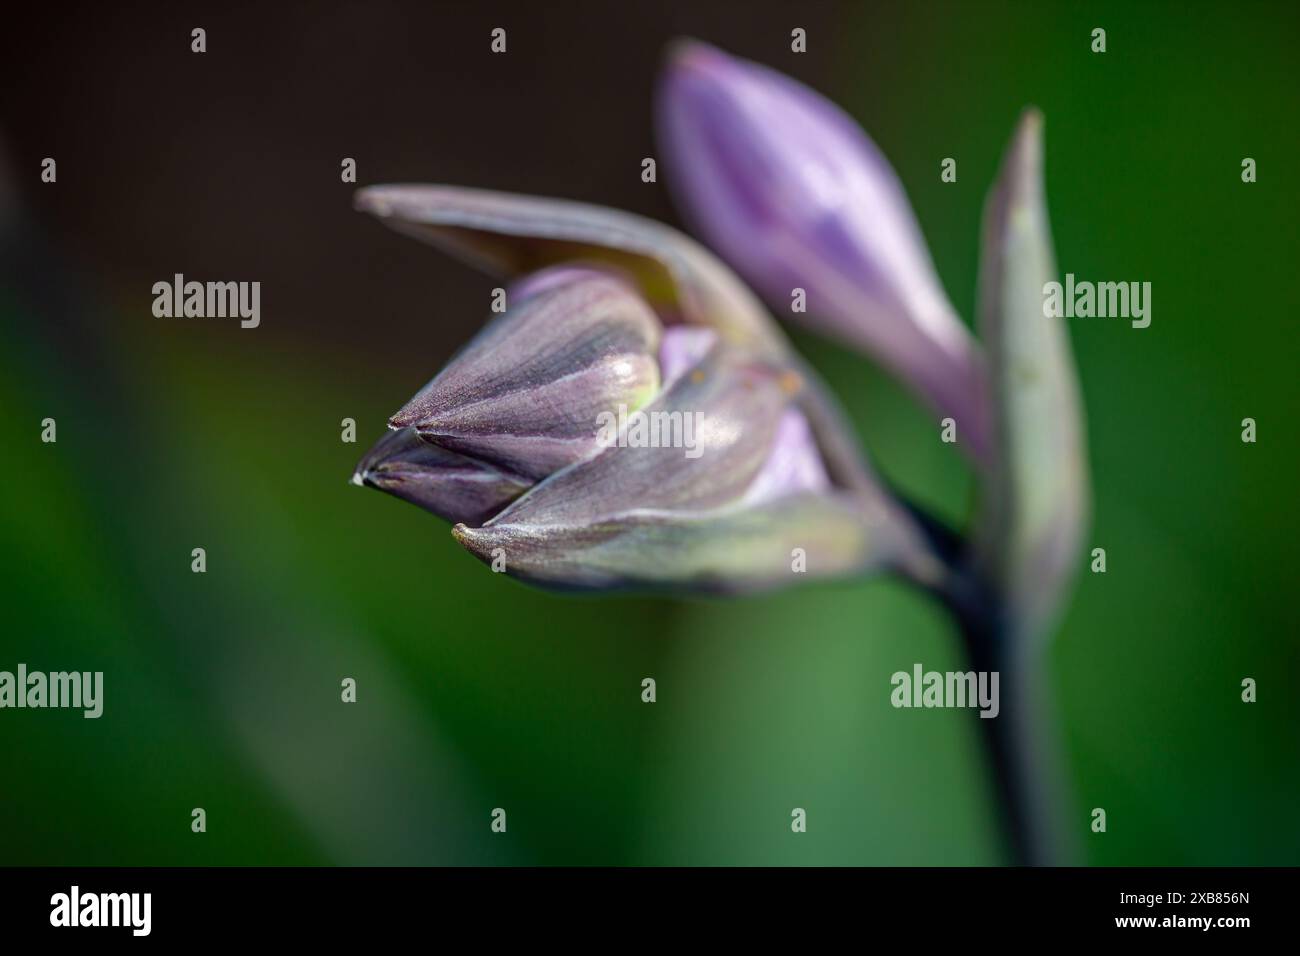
791,191
627,316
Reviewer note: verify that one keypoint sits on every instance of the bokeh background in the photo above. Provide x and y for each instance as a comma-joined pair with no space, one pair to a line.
222,689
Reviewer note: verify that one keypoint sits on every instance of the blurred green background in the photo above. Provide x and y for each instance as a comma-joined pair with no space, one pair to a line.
474,692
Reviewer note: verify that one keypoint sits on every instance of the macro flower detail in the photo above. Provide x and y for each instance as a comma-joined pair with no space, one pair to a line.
613,318
793,194
612,309
636,420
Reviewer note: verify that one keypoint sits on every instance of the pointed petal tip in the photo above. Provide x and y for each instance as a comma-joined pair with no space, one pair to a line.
1025,159
477,541
370,199
1030,128
1018,189
688,52
396,200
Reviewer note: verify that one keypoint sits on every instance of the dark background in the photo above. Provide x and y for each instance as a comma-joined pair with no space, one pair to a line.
222,689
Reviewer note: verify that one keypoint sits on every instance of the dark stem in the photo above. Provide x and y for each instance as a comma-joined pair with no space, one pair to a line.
1017,740
1021,740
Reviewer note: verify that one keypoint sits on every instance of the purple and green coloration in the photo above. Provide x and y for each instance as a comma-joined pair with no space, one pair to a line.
609,309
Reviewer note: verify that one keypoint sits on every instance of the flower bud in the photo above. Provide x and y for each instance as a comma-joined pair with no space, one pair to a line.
793,194
776,483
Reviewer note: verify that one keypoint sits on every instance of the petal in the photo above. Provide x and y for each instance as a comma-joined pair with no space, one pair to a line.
1035,498
794,195
681,349
510,234
793,463
527,392
450,485
716,429
551,277
726,550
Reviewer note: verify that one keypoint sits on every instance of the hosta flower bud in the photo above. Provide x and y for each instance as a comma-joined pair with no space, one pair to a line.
791,191
629,328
